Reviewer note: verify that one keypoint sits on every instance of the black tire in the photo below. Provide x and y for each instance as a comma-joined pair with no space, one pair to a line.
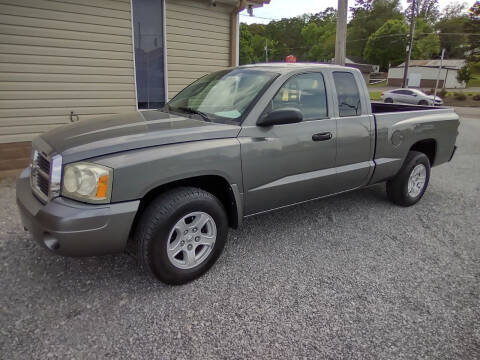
423,102
159,218
389,100
397,188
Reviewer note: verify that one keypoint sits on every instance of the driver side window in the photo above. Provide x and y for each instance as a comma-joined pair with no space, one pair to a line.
305,92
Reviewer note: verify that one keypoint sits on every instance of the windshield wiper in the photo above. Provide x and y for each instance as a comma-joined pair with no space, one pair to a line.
193,111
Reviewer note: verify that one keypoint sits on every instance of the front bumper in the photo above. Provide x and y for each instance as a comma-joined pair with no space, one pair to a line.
72,228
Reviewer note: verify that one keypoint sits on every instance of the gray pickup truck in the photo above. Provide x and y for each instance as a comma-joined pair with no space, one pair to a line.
233,144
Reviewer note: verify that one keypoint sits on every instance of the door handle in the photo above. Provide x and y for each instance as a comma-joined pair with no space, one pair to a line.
322,136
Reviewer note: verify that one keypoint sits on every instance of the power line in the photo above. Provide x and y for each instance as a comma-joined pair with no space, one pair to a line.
259,17
381,36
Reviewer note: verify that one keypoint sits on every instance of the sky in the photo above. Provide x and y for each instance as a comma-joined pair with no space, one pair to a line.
278,9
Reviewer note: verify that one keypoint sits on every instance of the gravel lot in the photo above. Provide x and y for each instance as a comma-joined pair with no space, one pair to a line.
346,277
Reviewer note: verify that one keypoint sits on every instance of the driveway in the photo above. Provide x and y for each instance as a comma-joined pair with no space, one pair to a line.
351,276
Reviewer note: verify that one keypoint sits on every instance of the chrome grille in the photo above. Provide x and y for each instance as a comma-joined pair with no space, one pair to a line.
43,164
40,175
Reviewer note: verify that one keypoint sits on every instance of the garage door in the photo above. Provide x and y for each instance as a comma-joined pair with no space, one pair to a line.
63,60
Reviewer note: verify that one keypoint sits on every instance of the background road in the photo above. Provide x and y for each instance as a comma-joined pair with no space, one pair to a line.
351,276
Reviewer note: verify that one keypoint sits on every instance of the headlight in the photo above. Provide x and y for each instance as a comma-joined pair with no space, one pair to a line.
87,182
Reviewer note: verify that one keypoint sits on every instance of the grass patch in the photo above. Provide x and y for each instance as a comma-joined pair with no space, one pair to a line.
381,84
468,93
375,95
474,81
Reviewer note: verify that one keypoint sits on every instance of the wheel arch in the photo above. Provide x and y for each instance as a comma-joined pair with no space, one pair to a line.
428,147
228,194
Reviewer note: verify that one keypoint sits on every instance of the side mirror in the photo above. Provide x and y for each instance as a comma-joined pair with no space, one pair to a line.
281,117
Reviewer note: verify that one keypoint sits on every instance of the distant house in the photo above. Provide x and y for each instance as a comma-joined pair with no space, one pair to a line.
69,60
423,74
362,65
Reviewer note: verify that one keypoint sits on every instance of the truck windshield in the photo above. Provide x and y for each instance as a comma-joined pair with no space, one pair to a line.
223,95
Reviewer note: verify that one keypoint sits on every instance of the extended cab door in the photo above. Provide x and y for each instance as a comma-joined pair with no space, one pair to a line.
355,130
287,164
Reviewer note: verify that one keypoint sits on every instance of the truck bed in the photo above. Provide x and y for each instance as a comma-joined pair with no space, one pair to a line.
399,126
381,107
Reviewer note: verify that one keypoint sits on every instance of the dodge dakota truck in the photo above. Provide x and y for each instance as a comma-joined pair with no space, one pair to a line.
235,143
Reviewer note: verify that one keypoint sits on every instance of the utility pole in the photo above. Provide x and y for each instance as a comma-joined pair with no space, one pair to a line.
266,51
410,45
341,35
438,76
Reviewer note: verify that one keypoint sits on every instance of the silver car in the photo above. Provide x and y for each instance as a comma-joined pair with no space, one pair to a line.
410,96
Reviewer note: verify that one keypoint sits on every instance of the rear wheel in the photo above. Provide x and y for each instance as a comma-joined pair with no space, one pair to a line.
389,100
409,185
181,234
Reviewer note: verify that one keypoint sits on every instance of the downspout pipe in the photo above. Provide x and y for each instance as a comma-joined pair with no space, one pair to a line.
241,4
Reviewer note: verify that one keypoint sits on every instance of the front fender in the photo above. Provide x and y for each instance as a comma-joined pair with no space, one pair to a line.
137,172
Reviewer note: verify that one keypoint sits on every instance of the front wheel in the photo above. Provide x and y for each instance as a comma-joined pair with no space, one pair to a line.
409,185
181,234
423,102
389,100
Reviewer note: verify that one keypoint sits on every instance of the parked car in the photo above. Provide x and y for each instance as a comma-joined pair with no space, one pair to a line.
233,144
410,96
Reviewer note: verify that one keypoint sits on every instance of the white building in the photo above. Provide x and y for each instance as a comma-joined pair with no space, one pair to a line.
423,73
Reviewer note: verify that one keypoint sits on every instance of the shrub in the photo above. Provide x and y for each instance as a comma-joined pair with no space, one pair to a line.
476,97
465,73
442,93
460,96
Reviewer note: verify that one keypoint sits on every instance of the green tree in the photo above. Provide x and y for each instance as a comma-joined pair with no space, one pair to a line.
246,55
361,5
368,17
451,38
454,10
387,45
427,10
465,73
288,36
426,42
258,44
252,45
319,36
473,27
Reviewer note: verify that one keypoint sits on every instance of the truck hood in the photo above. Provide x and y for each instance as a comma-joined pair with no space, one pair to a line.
91,138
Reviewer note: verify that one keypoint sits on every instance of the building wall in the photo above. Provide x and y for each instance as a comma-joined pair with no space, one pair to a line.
452,82
62,56
424,83
429,76
197,41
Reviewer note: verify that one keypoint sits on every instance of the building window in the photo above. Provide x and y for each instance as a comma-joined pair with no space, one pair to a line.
149,53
